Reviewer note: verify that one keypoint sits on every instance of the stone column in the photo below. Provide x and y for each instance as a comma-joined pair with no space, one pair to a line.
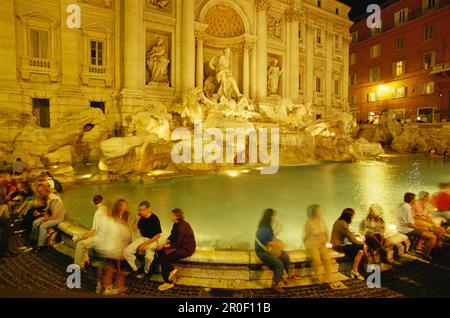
261,48
187,45
309,78
200,62
329,85
133,44
246,69
345,72
8,54
293,15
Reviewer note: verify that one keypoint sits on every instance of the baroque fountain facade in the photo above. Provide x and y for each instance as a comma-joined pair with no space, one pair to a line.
136,70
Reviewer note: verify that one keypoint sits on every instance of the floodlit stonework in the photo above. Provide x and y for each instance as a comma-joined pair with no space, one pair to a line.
142,68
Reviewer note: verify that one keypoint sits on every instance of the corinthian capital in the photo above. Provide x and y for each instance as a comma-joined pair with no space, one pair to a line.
293,14
262,5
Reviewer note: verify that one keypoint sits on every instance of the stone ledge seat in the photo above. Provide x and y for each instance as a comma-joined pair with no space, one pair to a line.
215,268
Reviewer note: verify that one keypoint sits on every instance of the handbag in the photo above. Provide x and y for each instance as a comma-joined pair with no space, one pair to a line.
274,250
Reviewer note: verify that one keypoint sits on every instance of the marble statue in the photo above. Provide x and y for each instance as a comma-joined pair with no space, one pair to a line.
228,87
273,77
157,63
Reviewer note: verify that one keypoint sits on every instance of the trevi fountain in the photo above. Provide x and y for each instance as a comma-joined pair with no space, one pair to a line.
226,64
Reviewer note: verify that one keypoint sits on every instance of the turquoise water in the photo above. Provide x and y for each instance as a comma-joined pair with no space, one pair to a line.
224,210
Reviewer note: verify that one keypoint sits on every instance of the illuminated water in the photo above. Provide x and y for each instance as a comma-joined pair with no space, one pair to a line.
225,210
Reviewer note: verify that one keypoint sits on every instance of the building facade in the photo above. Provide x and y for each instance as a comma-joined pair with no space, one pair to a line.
128,54
404,65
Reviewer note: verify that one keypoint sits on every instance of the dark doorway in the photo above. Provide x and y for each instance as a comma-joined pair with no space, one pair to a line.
41,110
99,105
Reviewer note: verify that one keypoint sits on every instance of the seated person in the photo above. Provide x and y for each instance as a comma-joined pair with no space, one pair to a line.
150,231
44,176
407,225
54,213
373,227
441,201
422,216
93,237
180,244
117,236
270,250
344,241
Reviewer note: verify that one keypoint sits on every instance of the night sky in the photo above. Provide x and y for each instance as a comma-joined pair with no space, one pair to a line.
359,6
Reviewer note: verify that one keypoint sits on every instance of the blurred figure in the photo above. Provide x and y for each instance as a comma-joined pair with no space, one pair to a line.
117,237
93,237
422,215
150,230
373,228
45,175
19,167
344,241
270,250
54,213
180,244
441,201
10,186
315,239
407,225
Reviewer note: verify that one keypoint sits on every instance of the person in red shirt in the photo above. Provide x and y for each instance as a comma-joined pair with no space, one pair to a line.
441,201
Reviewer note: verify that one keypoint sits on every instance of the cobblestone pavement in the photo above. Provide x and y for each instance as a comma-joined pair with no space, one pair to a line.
44,274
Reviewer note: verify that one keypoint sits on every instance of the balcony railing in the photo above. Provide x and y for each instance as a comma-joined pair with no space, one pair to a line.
96,72
36,62
440,68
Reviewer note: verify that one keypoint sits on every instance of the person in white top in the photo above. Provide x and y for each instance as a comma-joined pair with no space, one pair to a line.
54,214
93,237
407,225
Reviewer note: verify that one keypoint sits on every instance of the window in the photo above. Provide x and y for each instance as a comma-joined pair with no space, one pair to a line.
398,68
375,51
353,59
99,105
319,36
337,10
399,92
429,88
401,16
353,79
355,37
352,100
96,53
39,43
318,85
400,42
429,5
41,110
429,59
378,29
374,74
319,3
337,87
373,97
428,32
425,88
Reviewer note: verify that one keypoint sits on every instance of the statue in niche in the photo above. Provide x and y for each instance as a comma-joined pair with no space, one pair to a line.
228,88
273,77
158,63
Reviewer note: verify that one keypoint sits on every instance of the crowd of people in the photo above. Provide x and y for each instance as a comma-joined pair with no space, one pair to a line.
119,237
424,220
28,205
116,236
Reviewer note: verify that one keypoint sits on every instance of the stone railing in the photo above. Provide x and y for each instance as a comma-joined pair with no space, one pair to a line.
42,66
96,72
